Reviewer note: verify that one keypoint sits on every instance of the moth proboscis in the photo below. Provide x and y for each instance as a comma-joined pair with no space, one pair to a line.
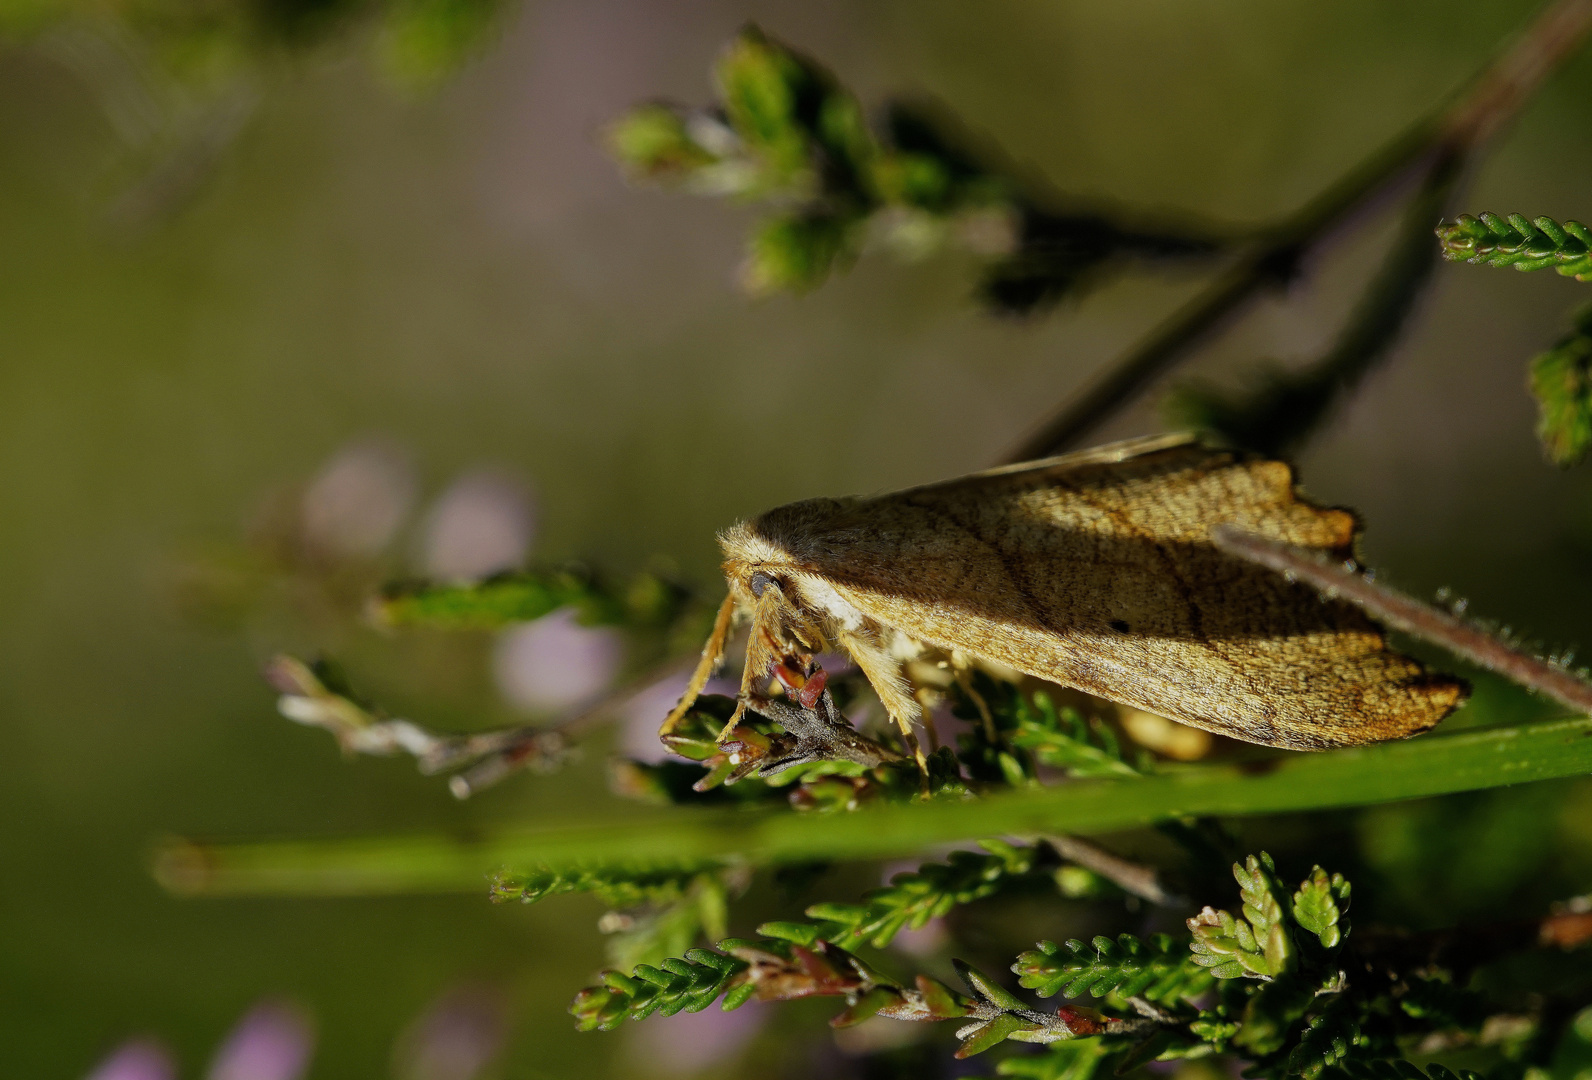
1094,570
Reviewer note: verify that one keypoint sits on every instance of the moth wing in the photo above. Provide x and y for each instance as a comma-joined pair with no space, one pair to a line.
1096,571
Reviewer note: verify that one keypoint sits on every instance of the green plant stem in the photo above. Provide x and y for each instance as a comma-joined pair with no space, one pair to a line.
1432,765
1457,129
1411,616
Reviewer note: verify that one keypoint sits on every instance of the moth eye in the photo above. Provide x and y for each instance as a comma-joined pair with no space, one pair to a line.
759,582
1118,625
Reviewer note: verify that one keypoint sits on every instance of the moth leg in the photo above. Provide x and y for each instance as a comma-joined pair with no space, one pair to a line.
884,673
712,656
961,668
924,694
773,622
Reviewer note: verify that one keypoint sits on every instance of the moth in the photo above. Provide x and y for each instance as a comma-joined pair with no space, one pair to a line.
1094,570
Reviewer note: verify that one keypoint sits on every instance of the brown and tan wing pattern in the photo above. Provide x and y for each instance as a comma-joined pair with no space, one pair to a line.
1096,571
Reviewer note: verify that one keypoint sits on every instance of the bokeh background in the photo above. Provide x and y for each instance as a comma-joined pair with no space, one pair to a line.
215,288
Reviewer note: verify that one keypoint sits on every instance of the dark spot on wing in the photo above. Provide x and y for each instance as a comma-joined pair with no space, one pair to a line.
1118,625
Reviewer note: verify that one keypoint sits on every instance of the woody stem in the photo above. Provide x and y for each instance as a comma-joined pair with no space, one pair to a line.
1454,131
1405,613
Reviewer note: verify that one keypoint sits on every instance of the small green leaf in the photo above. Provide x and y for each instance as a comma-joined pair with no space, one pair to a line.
1259,946
1070,1059
738,996
987,989
865,1006
1157,969
804,934
979,1038
1561,381
1319,904
1518,241
942,1002
795,253
652,142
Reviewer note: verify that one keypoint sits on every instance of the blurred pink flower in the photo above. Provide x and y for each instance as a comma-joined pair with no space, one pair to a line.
455,1038
273,1041
139,1059
359,500
481,524
555,663
688,1043
644,712
927,940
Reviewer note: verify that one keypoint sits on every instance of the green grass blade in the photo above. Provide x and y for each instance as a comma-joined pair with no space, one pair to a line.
1432,765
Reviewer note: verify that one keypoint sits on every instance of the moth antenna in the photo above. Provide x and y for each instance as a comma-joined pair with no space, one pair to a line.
712,656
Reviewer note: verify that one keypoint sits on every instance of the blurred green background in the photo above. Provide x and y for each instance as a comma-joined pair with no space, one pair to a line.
458,268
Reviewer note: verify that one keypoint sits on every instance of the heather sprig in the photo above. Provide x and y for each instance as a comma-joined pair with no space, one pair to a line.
1158,969
912,898
1561,381
1524,243
776,969
784,132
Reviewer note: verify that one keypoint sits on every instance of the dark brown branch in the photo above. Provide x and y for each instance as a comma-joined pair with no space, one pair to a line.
1409,615
1488,101
1281,409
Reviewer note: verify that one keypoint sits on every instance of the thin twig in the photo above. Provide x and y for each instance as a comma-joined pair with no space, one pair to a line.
1136,878
496,754
1409,615
524,745
1487,102
1283,409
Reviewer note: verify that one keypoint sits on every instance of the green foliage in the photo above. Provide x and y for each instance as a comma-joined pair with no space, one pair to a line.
1397,1069
1560,378
1257,947
1521,242
1319,905
797,253
1327,1039
1467,760
658,911
913,898
521,596
424,41
1013,732
1157,969
1439,1003
418,42
760,760
1073,1059
615,886
692,984
1561,381
786,132
1063,739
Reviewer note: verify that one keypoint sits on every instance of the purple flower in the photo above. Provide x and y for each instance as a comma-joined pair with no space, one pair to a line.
359,499
139,1059
644,712
481,524
455,1038
555,663
687,1043
272,1042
